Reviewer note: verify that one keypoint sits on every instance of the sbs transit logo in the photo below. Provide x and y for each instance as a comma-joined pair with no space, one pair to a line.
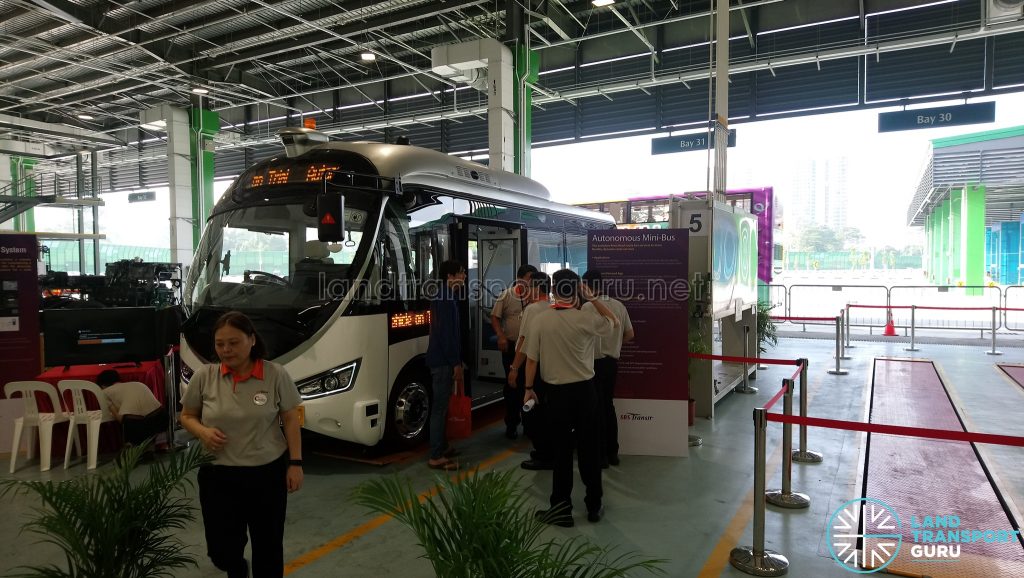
634,416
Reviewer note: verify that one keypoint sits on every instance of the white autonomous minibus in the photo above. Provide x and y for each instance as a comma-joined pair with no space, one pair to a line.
349,320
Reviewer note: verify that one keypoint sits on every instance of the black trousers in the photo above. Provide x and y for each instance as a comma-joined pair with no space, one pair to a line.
136,429
237,499
536,423
572,409
606,370
513,395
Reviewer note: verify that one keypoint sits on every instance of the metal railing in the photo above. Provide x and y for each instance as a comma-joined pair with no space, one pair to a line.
944,307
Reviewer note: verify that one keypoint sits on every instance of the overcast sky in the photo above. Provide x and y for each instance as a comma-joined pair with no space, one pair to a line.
885,168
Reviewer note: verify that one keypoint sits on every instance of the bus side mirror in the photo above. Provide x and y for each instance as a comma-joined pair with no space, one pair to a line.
330,213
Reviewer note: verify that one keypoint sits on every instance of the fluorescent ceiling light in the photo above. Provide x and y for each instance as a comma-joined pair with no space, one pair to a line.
600,3
86,117
368,56
155,125
200,90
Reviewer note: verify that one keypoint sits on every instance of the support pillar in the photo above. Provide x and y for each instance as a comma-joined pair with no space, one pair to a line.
943,226
23,184
1009,252
175,122
94,188
972,227
955,245
204,125
527,69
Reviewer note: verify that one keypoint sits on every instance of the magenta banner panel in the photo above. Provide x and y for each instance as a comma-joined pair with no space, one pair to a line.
19,308
647,270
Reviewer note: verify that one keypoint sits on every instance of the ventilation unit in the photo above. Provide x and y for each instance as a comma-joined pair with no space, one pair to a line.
1004,10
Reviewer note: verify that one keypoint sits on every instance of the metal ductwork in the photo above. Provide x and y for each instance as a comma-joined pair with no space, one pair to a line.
486,65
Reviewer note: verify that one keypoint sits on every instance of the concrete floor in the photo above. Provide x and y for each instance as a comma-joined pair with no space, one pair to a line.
691,511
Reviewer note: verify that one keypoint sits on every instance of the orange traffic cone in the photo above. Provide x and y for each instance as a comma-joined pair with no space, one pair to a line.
890,328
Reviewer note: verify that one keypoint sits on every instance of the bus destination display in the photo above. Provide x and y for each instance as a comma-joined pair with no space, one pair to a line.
290,174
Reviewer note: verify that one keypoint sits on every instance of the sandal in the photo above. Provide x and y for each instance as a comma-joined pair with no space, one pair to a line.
446,465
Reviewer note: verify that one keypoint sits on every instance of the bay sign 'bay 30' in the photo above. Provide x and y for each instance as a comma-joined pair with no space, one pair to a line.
349,319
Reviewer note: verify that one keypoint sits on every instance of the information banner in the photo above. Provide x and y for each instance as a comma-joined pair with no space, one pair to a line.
19,308
734,267
647,270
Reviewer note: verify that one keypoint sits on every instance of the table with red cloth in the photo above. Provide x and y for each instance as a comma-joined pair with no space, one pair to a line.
150,373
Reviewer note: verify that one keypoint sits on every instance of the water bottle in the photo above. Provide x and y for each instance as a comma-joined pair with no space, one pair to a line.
529,405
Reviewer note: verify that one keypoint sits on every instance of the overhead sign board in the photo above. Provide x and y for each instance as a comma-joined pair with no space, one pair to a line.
973,113
687,142
140,197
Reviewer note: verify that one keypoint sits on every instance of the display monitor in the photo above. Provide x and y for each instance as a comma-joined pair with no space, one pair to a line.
101,335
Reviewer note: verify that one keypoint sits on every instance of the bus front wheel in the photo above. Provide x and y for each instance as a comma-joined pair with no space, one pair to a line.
409,410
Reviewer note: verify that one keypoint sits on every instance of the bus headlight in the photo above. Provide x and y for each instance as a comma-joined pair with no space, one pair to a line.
336,380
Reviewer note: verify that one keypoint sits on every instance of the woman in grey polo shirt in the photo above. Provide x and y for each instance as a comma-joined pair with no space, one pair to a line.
235,409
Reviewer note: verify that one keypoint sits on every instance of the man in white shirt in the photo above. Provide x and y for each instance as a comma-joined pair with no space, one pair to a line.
133,404
505,316
560,340
606,368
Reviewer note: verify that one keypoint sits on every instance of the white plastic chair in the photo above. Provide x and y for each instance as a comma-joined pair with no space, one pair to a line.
81,414
34,419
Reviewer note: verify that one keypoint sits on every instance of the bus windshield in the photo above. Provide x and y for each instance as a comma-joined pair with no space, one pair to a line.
267,257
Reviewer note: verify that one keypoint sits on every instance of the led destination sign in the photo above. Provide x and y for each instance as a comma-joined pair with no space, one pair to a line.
290,174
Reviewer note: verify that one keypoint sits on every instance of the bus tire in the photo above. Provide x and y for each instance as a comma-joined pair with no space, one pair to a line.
409,405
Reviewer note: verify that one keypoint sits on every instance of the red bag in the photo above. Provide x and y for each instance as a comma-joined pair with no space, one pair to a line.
460,420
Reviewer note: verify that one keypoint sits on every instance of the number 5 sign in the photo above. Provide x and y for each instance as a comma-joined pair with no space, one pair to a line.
696,222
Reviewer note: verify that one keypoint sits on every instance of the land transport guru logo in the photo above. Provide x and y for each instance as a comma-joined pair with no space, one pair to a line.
877,529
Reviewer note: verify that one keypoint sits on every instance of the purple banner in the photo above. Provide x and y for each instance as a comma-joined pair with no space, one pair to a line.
19,308
647,270
762,206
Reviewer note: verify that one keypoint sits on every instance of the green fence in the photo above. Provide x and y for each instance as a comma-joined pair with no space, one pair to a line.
848,261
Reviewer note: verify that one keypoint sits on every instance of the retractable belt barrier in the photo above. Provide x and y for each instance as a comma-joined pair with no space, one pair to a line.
757,561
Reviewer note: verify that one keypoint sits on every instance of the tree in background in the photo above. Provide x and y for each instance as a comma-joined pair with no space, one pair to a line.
819,239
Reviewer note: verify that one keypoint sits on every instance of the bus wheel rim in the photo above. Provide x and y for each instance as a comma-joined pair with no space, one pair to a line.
412,407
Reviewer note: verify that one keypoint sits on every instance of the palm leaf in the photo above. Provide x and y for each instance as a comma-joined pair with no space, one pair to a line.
482,527
117,524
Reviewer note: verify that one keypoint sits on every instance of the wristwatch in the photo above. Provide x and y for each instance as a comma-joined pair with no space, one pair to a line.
295,463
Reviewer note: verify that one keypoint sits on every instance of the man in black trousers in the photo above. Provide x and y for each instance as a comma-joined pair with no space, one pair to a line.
561,340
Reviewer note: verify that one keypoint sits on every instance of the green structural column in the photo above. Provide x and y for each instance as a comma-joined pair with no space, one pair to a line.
203,125
929,237
972,227
527,67
955,273
23,184
943,226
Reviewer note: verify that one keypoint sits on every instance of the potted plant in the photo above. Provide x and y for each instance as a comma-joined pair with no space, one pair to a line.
767,333
114,524
483,528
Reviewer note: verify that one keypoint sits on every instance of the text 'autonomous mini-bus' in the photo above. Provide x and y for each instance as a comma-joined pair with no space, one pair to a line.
349,319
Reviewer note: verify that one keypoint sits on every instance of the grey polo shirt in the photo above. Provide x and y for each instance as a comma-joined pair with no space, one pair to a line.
509,308
611,346
247,412
562,342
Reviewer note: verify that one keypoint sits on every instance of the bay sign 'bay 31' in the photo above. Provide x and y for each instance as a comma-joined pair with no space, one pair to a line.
349,319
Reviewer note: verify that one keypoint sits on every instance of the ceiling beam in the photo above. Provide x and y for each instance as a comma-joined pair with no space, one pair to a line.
61,130
317,37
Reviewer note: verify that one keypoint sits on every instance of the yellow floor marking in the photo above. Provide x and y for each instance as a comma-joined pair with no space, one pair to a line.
366,528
